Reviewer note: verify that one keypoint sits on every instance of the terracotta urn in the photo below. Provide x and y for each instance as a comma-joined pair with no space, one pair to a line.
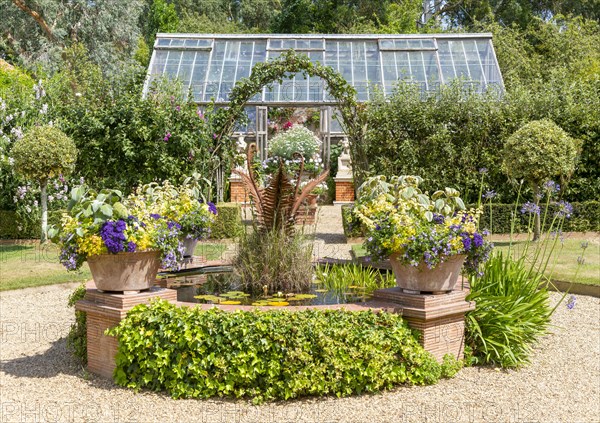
125,272
417,279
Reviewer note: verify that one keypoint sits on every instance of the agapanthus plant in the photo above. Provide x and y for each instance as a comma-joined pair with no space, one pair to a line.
400,219
106,222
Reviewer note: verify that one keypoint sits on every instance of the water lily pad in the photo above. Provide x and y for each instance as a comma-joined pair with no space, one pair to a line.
211,298
300,297
356,287
231,302
235,294
278,303
321,290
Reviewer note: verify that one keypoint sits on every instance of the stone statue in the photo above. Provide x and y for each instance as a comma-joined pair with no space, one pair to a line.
344,162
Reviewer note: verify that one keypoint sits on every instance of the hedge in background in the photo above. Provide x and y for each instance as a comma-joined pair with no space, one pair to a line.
229,221
585,218
13,226
189,352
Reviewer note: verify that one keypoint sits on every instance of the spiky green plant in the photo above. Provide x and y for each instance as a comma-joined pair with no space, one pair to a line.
512,312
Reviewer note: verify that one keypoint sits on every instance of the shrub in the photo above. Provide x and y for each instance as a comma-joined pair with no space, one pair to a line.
77,337
189,352
297,139
512,312
538,151
228,223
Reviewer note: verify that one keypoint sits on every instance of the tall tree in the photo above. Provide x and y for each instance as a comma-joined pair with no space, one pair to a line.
37,31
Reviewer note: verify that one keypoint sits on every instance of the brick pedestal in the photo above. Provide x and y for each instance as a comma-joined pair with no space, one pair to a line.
439,318
344,190
103,311
238,190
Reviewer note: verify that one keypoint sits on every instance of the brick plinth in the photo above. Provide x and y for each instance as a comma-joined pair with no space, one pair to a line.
344,190
439,318
238,191
105,310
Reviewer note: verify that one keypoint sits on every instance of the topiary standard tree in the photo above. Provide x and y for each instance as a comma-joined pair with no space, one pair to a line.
537,152
43,153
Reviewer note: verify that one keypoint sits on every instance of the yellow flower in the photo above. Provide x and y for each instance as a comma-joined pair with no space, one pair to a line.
91,245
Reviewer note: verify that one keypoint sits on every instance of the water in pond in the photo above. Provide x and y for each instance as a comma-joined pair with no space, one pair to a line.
222,287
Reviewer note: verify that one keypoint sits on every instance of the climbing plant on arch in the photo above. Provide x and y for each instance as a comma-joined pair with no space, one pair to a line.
278,69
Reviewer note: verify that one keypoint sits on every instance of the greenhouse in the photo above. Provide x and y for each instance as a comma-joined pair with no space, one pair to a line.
209,65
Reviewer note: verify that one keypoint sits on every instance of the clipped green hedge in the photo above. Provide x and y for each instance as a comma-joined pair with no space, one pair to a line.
229,221
190,352
585,218
12,226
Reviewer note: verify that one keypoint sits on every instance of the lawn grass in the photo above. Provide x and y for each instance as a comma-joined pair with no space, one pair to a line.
210,250
563,264
23,266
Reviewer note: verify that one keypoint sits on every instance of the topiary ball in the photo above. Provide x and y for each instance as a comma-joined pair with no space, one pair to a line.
43,153
539,151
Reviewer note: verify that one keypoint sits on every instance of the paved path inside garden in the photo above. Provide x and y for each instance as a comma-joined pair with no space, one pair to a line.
330,240
39,381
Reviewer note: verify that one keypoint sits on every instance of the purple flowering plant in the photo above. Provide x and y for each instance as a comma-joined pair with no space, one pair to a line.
107,222
421,229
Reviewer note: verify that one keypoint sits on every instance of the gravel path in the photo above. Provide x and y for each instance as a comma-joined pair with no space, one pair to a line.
40,382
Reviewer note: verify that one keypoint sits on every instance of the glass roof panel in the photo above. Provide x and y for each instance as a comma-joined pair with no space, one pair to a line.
210,65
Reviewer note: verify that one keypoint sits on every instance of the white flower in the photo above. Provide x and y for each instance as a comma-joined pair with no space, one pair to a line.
23,113
11,161
8,118
28,209
35,203
77,94
17,132
44,109
50,198
2,104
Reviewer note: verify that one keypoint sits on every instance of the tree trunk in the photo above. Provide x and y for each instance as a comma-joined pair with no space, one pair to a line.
537,223
43,189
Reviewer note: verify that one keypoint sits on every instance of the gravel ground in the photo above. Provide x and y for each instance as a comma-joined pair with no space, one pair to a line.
40,382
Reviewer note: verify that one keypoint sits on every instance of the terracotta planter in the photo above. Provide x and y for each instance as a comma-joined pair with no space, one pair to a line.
190,245
441,278
125,272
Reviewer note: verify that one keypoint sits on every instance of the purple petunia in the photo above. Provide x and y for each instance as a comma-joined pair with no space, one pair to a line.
155,216
131,246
